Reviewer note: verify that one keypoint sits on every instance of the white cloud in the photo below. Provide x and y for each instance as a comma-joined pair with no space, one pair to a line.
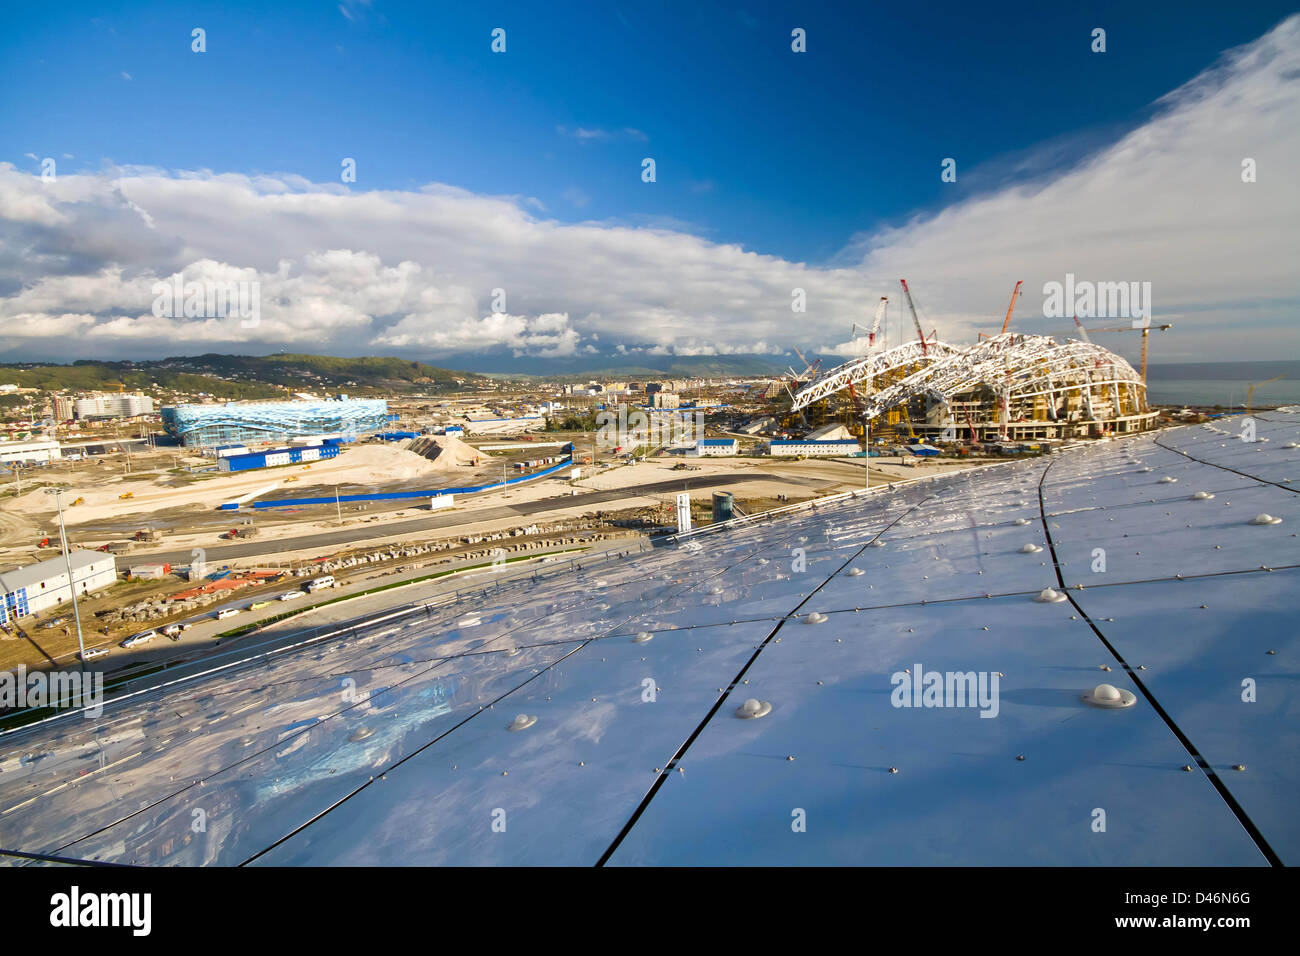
415,270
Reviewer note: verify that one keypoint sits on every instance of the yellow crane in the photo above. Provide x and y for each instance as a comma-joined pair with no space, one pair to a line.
1145,330
1250,392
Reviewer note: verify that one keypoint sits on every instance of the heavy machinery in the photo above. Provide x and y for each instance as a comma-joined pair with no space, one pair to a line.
125,495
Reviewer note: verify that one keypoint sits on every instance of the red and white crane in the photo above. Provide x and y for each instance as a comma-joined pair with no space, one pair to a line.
907,294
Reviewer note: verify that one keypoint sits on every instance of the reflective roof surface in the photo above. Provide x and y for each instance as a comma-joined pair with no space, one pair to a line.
927,710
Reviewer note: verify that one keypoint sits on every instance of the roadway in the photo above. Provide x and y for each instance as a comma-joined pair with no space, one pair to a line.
332,540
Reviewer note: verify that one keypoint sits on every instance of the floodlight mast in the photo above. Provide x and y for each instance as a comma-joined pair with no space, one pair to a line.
72,584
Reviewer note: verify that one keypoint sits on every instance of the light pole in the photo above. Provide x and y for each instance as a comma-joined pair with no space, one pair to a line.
72,584
338,507
866,462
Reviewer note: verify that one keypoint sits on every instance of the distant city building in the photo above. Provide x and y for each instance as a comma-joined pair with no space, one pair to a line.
64,407
653,387
239,422
31,451
666,400
112,406
44,585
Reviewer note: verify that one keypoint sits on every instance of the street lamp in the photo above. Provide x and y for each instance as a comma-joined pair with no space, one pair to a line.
67,563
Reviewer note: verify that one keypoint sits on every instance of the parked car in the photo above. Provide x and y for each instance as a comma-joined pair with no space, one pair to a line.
173,631
290,595
226,612
135,640
92,652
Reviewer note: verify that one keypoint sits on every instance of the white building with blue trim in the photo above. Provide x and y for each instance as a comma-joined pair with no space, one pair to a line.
44,586
810,447
715,446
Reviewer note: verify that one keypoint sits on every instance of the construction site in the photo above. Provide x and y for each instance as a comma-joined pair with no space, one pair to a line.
1006,387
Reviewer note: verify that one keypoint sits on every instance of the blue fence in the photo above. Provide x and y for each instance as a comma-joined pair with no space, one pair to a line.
398,495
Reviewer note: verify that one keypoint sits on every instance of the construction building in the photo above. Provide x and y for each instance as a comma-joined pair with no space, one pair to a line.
810,448
715,447
34,451
1005,387
44,585
275,457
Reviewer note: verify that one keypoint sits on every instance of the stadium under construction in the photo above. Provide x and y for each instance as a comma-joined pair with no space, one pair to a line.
1005,387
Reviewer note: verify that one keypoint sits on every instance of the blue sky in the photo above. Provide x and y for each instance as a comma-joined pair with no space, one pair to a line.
807,158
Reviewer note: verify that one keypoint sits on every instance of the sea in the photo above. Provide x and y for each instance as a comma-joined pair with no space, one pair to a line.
1230,393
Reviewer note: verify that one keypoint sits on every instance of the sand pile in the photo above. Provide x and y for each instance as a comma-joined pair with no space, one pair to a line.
446,451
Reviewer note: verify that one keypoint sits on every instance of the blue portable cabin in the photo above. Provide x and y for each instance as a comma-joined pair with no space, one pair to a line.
277,457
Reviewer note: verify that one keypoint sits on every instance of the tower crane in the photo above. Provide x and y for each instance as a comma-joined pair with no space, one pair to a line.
1144,329
875,322
1250,392
1015,294
911,306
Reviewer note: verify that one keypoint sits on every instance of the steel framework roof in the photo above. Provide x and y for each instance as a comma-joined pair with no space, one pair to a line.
868,367
1012,365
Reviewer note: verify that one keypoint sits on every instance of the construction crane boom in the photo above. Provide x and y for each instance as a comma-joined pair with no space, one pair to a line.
1250,392
875,320
1015,294
1146,339
911,306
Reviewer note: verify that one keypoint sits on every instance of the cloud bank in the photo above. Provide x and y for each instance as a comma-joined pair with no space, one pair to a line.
442,273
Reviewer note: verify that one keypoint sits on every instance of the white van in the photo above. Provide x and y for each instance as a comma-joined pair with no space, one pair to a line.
324,581
226,612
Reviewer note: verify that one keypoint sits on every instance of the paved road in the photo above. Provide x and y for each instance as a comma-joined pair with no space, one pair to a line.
331,540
